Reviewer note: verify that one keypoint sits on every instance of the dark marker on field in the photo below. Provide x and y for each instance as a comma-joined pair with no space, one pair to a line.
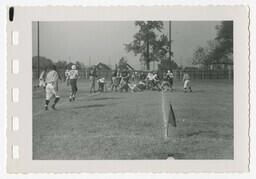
171,117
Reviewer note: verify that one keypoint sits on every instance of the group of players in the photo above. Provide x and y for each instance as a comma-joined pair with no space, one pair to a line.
49,81
120,81
137,81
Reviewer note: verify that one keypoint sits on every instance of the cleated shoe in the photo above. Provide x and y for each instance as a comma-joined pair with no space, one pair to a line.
53,107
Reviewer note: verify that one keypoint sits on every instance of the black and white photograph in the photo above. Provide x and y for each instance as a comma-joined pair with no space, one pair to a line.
132,90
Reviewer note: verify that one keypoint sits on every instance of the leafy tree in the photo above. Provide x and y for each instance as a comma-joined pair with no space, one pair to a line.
161,48
61,64
122,64
199,56
219,50
147,44
205,55
78,65
224,39
167,64
44,62
225,36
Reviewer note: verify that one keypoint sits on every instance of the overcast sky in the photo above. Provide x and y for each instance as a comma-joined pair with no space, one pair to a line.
104,41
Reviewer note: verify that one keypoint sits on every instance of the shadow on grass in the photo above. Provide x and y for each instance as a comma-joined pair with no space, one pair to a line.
177,155
182,91
92,106
198,91
208,134
104,98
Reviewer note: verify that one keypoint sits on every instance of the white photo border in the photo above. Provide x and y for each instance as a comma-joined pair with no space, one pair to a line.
24,16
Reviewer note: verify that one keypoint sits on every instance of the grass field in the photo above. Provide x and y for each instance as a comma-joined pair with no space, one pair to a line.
115,125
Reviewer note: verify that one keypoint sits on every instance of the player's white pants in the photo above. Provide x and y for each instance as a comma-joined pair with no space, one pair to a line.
132,86
50,91
187,84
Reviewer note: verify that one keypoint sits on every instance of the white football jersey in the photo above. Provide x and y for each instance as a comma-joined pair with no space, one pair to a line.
52,77
73,74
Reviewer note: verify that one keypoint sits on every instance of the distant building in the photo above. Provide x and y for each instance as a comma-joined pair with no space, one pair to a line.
221,66
224,63
190,68
103,70
103,67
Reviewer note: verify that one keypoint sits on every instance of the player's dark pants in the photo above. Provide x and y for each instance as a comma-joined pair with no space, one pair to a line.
171,81
101,86
115,83
155,84
73,84
124,86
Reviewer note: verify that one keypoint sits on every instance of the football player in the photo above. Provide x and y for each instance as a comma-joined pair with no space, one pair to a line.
51,88
73,76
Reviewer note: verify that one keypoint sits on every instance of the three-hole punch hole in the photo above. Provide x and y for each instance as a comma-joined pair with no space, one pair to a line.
15,38
15,95
15,152
15,123
15,66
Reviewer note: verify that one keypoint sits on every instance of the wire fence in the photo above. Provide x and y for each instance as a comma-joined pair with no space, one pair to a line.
178,74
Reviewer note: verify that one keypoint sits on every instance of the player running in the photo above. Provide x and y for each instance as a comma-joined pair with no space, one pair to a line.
114,80
170,78
187,83
67,77
51,88
101,84
73,76
93,75
124,81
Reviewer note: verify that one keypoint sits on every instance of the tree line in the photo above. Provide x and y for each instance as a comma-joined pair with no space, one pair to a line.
61,64
218,50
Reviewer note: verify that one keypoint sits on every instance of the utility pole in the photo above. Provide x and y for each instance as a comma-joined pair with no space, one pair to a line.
38,52
170,39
